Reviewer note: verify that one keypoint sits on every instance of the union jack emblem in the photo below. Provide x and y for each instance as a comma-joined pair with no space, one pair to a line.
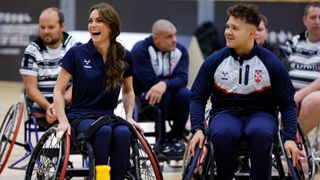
257,76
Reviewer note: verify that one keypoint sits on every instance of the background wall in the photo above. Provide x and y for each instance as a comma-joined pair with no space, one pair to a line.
18,24
18,21
139,15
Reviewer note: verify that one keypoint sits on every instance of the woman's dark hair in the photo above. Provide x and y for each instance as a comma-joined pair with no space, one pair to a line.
248,12
265,21
116,53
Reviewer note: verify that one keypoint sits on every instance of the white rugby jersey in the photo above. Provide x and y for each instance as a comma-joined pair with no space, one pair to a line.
304,60
43,62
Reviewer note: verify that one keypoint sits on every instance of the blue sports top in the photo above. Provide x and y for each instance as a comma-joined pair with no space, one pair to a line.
254,82
151,66
89,95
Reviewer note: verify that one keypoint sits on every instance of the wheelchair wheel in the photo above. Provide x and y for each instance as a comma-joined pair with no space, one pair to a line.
191,165
50,157
305,168
306,163
147,166
201,165
9,131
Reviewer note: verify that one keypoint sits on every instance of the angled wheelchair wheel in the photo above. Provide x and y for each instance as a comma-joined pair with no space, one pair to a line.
305,168
201,165
50,157
143,163
306,163
9,131
191,164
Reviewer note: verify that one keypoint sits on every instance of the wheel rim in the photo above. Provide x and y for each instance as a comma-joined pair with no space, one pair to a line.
9,132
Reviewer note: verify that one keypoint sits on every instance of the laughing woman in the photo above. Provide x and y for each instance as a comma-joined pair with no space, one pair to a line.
98,70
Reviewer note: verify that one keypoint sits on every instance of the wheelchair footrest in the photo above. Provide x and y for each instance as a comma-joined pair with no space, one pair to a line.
77,172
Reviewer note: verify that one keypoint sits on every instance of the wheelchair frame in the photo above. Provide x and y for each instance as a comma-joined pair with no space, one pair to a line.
142,159
16,114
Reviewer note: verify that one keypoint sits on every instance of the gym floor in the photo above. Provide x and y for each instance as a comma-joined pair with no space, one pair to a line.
10,93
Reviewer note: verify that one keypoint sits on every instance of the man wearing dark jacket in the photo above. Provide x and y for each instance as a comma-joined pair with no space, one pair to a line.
247,86
160,78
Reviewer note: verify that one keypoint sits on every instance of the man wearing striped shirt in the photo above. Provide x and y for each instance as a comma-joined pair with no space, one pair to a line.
40,63
304,67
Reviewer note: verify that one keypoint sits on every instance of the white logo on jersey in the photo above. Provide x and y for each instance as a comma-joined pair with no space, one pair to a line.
87,62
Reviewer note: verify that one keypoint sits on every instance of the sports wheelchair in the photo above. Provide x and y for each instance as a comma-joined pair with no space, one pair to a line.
10,127
202,165
50,158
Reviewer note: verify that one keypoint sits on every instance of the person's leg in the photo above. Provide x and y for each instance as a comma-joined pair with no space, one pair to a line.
181,111
152,113
260,129
100,142
120,152
224,132
164,107
309,115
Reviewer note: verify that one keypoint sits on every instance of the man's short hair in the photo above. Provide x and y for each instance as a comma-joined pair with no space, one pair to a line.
247,12
58,11
309,5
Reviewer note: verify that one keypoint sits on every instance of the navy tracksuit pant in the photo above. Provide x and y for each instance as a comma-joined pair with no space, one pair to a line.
110,141
175,103
225,130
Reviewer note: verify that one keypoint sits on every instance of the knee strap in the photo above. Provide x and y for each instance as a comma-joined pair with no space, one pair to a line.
101,121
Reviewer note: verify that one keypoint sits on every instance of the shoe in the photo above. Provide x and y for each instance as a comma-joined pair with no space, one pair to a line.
167,149
179,148
244,165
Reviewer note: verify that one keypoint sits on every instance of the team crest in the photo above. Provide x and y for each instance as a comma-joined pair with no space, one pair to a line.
257,76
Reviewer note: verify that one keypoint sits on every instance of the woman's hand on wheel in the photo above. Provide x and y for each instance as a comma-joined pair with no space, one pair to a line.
135,125
61,129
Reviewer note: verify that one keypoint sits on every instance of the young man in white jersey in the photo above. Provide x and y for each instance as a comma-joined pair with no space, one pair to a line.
304,67
40,63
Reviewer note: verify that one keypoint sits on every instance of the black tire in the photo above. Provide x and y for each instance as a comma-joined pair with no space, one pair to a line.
49,159
190,165
147,166
9,131
305,168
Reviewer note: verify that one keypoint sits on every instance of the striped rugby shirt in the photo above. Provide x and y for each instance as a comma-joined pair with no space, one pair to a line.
304,60
43,62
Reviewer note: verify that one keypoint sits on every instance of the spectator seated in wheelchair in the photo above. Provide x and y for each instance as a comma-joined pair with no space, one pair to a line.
160,78
98,70
40,63
246,95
